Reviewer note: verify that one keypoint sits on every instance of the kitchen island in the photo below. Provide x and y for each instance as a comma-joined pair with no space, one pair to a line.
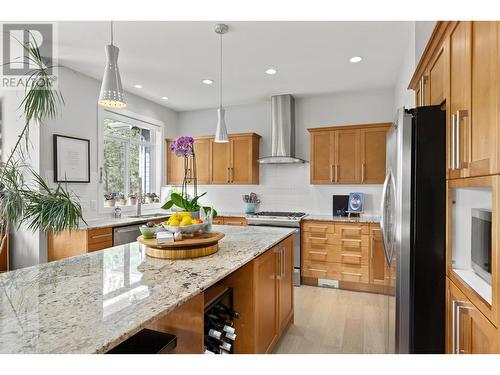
93,302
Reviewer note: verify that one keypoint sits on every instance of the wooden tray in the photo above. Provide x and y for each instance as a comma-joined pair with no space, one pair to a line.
199,246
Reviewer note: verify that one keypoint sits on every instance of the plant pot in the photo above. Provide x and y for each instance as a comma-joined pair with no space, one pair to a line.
132,201
122,202
148,200
110,203
194,214
249,208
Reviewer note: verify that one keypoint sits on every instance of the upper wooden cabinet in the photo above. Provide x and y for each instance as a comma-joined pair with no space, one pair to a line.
348,154
234,162
460,67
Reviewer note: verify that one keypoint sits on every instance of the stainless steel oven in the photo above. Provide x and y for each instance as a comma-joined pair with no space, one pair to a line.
481,243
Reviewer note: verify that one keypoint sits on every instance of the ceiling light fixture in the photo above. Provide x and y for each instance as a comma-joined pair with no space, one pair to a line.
112,94
271,71
207,81
221,131
138,86
164,98
355,59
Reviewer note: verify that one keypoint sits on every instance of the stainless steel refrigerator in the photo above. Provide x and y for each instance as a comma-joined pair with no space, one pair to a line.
413,230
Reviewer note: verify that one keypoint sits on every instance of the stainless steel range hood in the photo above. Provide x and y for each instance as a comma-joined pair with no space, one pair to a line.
283,131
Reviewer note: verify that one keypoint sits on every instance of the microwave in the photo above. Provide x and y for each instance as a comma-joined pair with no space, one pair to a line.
481,243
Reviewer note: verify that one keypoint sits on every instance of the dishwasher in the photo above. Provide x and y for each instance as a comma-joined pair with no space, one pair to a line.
124,235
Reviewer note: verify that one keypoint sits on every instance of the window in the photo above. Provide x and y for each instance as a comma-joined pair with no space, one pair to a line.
128,154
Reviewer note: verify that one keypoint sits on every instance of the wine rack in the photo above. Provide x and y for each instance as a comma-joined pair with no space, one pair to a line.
220,333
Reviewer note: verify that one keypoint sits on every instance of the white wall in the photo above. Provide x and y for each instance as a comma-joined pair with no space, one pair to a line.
419,34
78,118
286,187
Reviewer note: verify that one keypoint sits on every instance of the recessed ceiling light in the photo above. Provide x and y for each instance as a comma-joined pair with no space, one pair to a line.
164,97
207,81
138,86
355,59
271,71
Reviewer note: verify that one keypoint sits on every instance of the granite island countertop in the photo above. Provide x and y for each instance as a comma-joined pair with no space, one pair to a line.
91,303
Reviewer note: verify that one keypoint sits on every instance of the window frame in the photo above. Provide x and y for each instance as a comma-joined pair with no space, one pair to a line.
141,121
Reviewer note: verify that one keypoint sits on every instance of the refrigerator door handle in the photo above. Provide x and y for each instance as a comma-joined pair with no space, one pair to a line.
383,221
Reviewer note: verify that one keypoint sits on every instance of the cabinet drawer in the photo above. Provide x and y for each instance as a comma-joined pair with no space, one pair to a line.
322,270
319,239
334,253
99,235
352,231
218,220
99,246
318,227
336,271
322,252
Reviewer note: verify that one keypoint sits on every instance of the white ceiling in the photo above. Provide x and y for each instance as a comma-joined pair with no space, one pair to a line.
171,58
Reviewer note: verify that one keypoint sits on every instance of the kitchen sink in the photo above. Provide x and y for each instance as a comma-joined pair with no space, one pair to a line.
146,216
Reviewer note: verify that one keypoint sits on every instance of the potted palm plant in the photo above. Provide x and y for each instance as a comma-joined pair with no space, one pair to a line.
31,201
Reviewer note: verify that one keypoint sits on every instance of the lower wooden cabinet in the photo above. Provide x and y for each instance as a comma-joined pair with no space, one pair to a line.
352,253
78,242
468,331
263,295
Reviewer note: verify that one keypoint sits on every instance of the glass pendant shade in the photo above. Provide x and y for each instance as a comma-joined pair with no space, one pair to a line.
221,131
112,95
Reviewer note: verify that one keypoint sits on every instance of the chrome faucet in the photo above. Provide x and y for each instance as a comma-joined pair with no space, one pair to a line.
139,198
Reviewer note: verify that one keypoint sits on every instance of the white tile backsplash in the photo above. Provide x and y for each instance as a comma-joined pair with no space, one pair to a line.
286,187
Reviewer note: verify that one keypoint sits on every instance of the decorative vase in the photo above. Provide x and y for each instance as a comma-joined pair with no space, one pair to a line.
132,201
194,214
110,203
123,202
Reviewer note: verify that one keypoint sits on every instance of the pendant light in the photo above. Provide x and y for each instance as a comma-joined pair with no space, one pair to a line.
112,95
221,131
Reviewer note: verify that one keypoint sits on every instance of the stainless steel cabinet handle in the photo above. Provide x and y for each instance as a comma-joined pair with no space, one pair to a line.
457,307
318,238
362,172
453,141
318,252
316,270
459,116
280,254
101,235
126,230
351,273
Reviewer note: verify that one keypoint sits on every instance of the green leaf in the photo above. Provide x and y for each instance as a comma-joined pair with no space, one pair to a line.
168,205
178,200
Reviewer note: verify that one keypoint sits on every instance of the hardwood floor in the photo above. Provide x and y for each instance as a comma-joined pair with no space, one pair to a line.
330,321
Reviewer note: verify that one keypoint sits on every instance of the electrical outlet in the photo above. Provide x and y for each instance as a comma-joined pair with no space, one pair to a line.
84,205
93,205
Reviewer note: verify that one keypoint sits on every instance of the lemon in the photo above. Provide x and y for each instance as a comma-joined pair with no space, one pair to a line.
174,223
185,214
186,221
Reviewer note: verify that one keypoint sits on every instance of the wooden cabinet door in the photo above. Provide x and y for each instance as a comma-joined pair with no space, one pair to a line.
202,153
240,171
175,167
285,305
435,92
322,157
347,156
266,269
220,162
378,265
481,134
467,330
459,93
373,145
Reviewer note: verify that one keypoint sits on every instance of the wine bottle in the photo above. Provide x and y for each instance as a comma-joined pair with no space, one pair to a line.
209,346
222,327
214,333
221,308
219,343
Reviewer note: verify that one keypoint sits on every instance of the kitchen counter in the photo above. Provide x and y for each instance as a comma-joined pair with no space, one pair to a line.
91,303
368,219
107,222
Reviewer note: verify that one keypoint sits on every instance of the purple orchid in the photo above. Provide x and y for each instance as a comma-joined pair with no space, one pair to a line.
182,146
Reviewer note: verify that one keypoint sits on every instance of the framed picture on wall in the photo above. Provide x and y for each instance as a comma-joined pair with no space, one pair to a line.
71,159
